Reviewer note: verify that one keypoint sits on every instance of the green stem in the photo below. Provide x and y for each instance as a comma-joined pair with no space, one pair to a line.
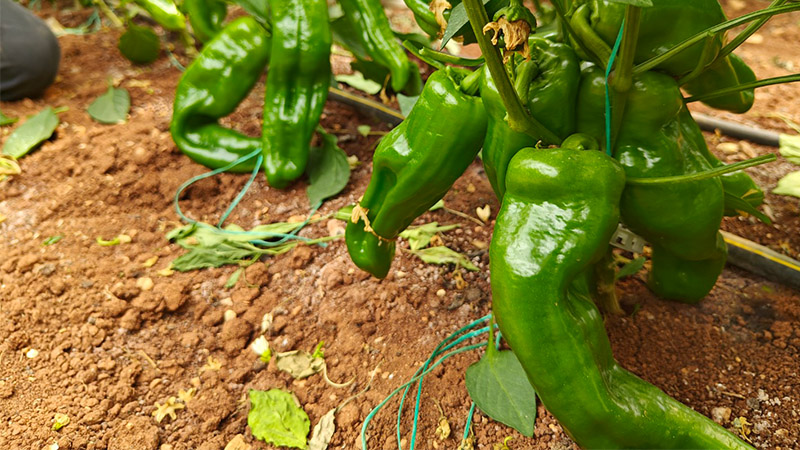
742,87
562,15
622,78
436,58
491,350
416,51
706,59
747,32
102,6
518,118
706,174
594,45
768,12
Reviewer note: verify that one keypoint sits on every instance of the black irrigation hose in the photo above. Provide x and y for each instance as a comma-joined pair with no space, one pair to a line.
742,253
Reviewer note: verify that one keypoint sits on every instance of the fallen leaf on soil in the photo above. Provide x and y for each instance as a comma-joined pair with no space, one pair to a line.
299,364
120,239
266,322
150,262
443,427
212,364
60,421
323,431
444,255
484,213
277,418
419,237
167,409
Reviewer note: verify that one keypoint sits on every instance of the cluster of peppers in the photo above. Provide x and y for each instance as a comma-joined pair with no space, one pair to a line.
292,38
565,190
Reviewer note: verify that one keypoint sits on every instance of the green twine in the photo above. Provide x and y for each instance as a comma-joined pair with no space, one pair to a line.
611,59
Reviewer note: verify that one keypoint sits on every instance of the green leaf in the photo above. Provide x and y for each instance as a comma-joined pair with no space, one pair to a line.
789,185
630,268
790,147
406,103
358,81
443,255
456,22
223,253
5,120
256,8
276,418
364,130
328,170
742,205
419,237
639,3
346,35
52,239
111,107
234,278
499,387
139,44
33,132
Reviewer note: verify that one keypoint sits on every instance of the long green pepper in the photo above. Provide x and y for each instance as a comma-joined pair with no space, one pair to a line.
297,86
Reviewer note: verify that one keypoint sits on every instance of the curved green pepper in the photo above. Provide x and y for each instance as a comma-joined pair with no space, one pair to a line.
297,86
165,13
206,17
414,166
556,219
212,87
424,16
369,20
726,72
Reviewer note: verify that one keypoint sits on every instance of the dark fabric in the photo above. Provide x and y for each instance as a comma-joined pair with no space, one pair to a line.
29,53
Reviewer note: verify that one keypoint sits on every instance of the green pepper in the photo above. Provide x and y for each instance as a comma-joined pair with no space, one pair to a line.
165,13
424,16
726,72
738,185
548,84
414,166
372,26
297,86
212,87
557,216
681,218
663,25
206,17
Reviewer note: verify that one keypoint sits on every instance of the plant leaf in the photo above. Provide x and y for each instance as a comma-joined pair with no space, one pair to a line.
139,44
111,107
276,418
328,170
6,120
234,278
256,8
790,147
419,237
357,81
499,387
323,431
299,364
457,21
630,268
742,205
789,185
444,255
33,132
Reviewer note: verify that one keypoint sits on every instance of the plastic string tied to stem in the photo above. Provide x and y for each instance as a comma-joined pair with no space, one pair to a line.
283,237
610,64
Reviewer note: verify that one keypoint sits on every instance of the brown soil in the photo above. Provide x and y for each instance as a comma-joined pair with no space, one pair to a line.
110,347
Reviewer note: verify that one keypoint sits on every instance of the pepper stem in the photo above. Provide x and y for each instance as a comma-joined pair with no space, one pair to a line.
704,175
622,78
767,12
747,32
604,286
742,87
491,350
518,117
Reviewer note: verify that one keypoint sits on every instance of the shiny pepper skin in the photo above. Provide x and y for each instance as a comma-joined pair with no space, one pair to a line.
212,87
726,72
557,216
297,86
414,166
165,13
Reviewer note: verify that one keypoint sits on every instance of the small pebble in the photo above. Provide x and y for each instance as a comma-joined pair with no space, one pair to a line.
145,283
229,315
441,293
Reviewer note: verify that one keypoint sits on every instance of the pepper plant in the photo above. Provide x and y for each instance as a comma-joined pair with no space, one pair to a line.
583,125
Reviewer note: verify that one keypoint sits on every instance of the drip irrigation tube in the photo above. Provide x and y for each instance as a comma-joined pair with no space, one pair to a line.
742,253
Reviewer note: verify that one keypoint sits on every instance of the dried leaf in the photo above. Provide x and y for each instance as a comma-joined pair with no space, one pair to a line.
484,213
299,364
323,431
